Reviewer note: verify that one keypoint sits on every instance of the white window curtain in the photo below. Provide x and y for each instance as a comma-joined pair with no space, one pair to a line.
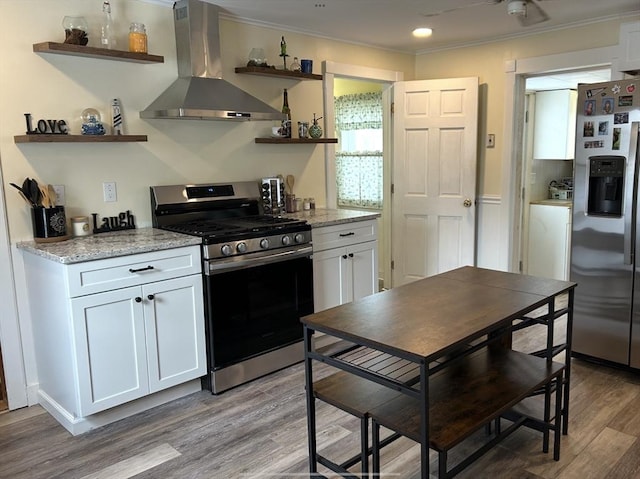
359,154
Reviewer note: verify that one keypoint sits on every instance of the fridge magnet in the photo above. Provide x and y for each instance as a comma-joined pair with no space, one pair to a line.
607,106
625,100
615,89
589,107
595,91
603,128
620,118
594,144
616,139
631,87
587,129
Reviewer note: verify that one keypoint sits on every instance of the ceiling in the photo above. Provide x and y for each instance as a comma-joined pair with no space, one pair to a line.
388,23
569,80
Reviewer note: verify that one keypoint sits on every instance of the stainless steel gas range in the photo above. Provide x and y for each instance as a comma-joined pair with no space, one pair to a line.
257,276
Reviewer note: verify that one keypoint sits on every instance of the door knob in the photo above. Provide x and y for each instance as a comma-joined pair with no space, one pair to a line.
467,203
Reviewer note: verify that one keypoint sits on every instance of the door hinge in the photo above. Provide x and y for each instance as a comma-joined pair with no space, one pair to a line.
393,107
522,197
526,116
520,267
393,188
393,264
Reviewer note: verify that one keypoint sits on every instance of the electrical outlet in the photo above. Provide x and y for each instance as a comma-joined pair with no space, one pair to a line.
109,191
59,199
491,140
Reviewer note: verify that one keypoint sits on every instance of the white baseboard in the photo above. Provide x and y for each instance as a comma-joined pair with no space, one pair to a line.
80,425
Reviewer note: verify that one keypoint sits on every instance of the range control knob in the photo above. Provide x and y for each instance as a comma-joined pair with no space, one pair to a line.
264,243
241,247
299,238
286,240
226,250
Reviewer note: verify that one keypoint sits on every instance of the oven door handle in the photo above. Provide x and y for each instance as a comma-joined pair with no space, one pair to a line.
244,262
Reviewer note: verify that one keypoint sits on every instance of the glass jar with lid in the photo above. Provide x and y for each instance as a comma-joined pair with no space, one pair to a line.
137,38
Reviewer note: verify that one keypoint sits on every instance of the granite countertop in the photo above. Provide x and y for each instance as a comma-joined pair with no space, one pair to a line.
566,203
108,245
144,240
327,217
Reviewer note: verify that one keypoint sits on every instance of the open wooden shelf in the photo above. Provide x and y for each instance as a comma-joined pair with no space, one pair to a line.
92,52
297,140
273,72
49,138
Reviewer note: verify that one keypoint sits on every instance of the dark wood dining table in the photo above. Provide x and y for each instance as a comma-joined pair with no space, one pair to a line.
430,322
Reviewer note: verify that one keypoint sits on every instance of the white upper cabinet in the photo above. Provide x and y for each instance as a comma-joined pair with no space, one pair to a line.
554,131
628,51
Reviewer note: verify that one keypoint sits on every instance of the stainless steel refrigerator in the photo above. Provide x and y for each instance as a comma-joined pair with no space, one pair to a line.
605,243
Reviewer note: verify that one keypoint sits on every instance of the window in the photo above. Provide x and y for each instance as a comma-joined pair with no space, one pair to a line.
359,153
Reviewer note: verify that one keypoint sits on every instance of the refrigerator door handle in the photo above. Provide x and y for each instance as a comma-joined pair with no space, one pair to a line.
631,211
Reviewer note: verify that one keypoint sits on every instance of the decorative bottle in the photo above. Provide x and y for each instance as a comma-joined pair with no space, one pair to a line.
315,130
107,34
286,122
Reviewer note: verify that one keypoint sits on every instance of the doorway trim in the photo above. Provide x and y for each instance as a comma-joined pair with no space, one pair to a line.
331,70
516,72
10,333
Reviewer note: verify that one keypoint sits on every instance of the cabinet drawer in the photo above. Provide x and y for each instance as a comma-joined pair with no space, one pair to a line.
115,273
336,236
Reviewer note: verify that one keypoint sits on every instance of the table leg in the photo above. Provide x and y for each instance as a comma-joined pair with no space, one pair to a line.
424,421
311,406
567,372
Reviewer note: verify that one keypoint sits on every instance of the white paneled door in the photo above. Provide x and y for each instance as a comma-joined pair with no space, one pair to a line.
434,177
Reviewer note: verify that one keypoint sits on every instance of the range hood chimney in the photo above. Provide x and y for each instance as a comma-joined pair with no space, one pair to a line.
200,93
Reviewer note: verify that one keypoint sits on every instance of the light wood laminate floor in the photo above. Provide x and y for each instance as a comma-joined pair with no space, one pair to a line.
258,430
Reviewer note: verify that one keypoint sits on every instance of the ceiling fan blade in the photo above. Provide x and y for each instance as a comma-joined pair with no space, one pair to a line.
449,10
535,14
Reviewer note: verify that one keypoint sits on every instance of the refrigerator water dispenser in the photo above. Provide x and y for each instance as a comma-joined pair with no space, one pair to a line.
606,180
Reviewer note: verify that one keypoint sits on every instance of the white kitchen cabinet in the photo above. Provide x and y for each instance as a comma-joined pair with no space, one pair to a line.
135,341
628,51
115,330
549,241
554,130
345,263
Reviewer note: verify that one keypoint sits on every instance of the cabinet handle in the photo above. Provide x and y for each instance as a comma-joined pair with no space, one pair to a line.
147,268
138,299
342,235
150,297
344,256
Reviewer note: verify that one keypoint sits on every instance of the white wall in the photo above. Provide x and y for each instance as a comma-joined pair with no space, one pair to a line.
60,87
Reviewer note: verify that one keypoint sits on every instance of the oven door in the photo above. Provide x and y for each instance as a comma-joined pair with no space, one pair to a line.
254,304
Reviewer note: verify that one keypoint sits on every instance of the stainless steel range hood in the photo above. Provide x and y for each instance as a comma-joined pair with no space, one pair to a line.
200,93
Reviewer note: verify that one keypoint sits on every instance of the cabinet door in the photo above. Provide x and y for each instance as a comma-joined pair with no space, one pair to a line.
174,319
109,342
549,237
331,286
555,125
364,263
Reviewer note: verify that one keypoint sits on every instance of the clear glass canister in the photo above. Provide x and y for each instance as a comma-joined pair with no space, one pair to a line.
137,38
